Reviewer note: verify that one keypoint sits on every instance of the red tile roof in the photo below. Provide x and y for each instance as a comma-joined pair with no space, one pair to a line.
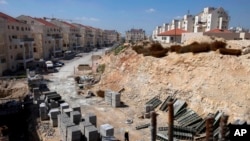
44,22
173,32
8,18
71,25
219,31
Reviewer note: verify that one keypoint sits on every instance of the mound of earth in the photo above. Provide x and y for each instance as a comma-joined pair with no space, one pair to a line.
13,88
206,81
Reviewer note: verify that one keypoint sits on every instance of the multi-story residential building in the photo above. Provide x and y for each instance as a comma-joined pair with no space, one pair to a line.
71,34
47,38
16,44
135,35
111,37
188,23
211,18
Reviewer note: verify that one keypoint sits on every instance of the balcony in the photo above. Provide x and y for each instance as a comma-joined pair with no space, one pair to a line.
78,35
57,36
21,41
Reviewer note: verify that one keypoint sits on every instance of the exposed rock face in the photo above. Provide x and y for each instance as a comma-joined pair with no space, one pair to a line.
206,81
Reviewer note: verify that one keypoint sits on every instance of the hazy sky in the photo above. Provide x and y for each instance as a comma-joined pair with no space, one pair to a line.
122,15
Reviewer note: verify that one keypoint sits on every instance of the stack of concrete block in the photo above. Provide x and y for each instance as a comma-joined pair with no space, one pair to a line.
36,94
116,99
76,108
148,109
91,133
64,125
53,113
63,106
82,126
90,117
53,104
74,133
108,96
75,117
59,117
106,130
43,111
67,111
112,98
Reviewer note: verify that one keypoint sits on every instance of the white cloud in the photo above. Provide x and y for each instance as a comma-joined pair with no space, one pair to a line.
178,17
150,10
88,19
3,2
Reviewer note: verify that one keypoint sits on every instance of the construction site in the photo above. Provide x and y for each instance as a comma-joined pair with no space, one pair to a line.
149,91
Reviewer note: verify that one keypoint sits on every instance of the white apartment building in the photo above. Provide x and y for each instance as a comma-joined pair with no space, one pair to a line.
71,34
188,23
135,35
211,18
47,38
16,44
111,37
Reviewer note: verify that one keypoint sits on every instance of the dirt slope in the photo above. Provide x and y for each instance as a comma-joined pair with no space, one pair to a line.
207,81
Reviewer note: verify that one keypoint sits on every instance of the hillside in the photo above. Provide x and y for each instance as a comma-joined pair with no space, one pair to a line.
206,81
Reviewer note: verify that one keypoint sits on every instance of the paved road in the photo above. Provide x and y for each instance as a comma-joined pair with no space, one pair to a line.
63,81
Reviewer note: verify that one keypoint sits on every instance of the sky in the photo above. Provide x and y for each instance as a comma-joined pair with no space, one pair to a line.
122,15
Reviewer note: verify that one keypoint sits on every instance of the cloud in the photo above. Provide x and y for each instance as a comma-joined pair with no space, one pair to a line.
150,10
178,17
3,2
88,19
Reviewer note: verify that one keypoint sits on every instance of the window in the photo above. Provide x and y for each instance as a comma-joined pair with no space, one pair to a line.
10,47
21,46
17,28
8,27
3,60
13,27
26,28
22,28
15,46
34,50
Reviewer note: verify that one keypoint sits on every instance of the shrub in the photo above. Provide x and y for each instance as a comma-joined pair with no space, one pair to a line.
184,49
100,93
118,49
217,44
175,48
226,51
101,68
156,47
159,54
202,47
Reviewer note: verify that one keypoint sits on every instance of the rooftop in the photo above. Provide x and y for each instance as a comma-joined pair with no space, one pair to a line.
44,22
8,18
173,32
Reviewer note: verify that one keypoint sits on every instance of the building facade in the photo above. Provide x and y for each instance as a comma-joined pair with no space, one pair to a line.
211,18
135,35
16,44
47,38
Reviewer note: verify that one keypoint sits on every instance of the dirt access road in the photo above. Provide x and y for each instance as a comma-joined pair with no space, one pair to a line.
63,80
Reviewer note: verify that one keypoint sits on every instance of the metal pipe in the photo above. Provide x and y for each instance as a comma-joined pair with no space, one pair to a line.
223,127
170,119
209,128
153,126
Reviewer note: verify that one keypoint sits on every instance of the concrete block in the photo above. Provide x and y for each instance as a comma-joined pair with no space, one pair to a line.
91,117
63,106
83,125
75,117
67,111
91,133
106,130
53,113
73,133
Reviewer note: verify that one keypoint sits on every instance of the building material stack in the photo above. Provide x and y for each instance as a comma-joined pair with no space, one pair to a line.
43,111
63,106
65,123
83,126
106,130
53,113
113,98
75,117
91,133
148,109
74,133
116,99
108,97
90,117
67,111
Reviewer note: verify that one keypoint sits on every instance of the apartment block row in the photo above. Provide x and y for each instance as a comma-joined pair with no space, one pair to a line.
25,39
208,19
